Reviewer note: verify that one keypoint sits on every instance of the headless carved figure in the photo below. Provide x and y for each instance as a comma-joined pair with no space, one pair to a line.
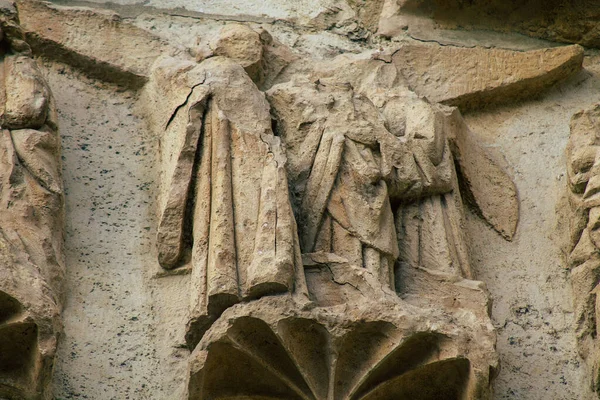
31,215
347,169
226,202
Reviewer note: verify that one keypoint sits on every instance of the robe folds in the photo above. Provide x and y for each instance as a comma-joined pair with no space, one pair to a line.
362,189
226,208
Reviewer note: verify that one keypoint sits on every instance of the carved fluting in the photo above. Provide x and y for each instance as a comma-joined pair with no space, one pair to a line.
583,170
31,215
273,350
299,358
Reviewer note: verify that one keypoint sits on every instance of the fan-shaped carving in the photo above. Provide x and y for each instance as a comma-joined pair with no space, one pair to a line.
441,380
299,358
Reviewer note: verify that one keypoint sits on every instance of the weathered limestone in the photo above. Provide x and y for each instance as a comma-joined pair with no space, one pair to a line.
312,210
377,350
573,21
303,12
31,231
376,197
344,186
97,42
485,185
477,78
262,57
584,257
373,183
225,191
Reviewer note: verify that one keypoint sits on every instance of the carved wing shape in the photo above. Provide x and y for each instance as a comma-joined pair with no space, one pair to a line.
484,185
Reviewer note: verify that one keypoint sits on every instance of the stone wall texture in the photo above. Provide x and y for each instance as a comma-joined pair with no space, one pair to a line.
310,200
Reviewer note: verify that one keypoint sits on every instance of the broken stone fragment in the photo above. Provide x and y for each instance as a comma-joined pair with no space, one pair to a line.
567,21
242,45
262,56
474,78
485,185
98,42
27,95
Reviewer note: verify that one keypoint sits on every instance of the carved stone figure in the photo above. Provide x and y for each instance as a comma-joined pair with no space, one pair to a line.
342,199
375,195
347,169
310,206
31,215
583,169
227,198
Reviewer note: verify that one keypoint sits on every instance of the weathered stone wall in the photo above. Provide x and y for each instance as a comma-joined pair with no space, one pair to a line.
311,199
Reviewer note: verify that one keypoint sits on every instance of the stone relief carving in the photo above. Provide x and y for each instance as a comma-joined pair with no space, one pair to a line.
583,258
381,353
31,212
351,200
227,187
372,176
315,206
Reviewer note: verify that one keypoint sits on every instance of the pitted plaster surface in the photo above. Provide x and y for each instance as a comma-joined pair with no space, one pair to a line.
109,320
533,309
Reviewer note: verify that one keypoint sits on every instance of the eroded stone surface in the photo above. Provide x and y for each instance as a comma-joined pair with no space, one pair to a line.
477,78
382,349
374,191
31,231
304,201
584,261
225,179
486,185
561,21
96,41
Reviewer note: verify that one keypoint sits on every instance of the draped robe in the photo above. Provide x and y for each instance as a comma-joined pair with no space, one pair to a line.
226,193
